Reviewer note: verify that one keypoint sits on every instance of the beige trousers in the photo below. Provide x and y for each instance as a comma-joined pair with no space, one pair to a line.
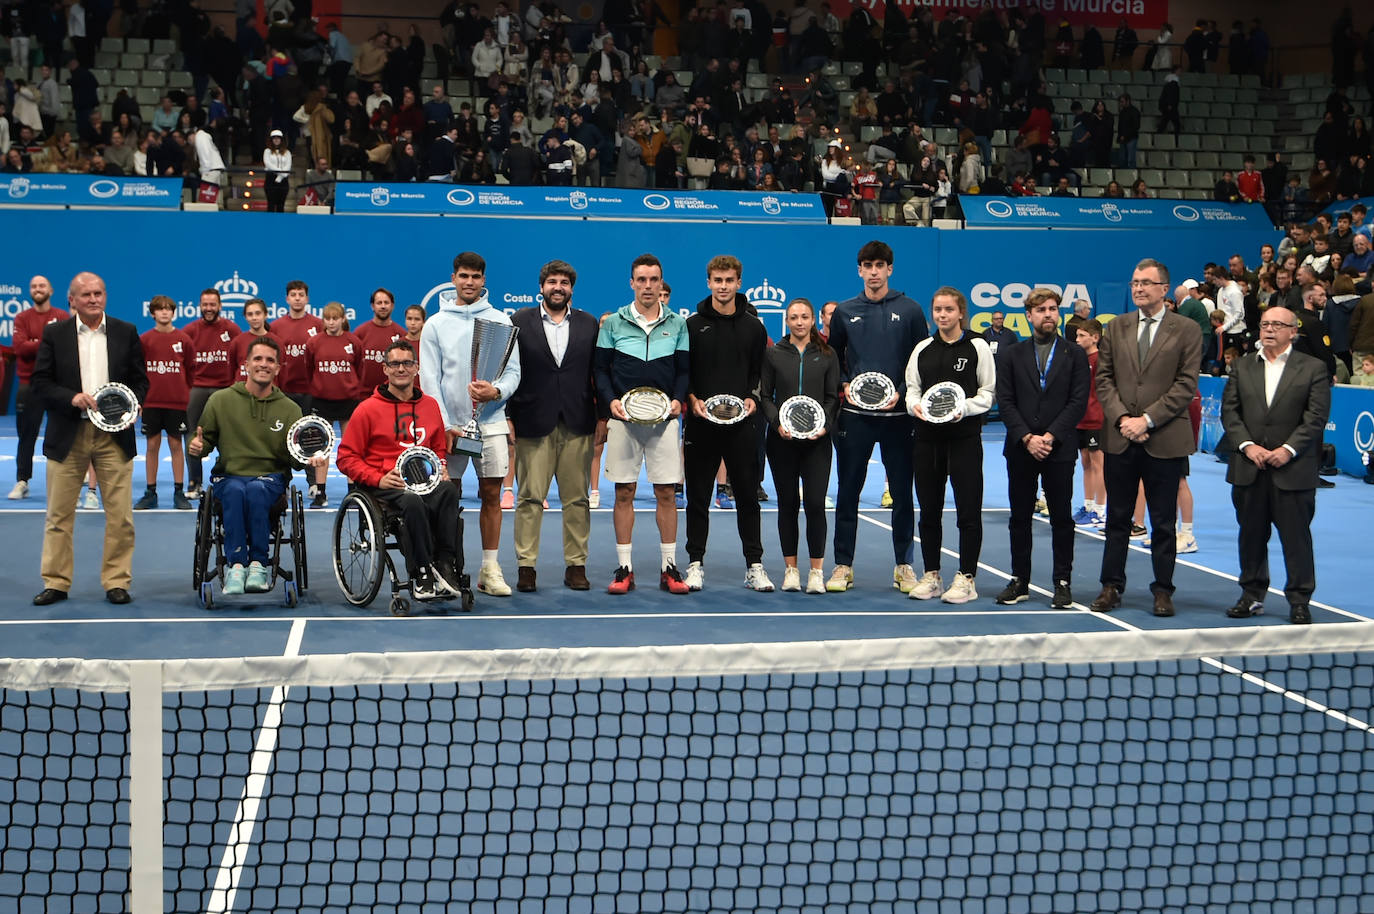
566,457
114,472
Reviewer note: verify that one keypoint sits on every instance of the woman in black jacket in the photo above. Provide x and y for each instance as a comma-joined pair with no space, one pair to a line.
801,364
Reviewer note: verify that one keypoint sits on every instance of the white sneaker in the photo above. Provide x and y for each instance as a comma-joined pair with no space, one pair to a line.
490,581
961,591
695,576
841,579
90,501
20,490
1185,542
593,499
757,579
257,579
829,502
928,587
904,578
791,579
815,581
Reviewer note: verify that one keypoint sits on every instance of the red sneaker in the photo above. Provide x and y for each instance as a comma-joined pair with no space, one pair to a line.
623,582
671,581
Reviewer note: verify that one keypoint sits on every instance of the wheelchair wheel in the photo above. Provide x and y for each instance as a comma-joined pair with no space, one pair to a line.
205,534
400,606
302,569
359,549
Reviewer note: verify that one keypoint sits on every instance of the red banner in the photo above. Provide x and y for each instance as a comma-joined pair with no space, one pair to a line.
1145,16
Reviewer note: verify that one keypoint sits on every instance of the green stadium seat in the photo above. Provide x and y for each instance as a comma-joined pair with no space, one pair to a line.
1166,141
1236,160
1126,176
1208,160
106,59
164,46
1146,141
1184,160
1153,177
1213,142
111,45
1099,176
1098,76
1201,180
179,79
131,61
1190,141
138,45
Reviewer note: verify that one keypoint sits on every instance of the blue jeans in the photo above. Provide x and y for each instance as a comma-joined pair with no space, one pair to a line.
855,436
246,508
1125,154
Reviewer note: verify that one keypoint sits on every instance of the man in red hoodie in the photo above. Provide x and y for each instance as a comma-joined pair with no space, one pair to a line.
396,416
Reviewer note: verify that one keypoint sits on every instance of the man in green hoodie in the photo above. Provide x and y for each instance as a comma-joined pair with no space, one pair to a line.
248,424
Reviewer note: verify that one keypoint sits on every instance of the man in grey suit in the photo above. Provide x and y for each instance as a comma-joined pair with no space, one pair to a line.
1147,370
1276,404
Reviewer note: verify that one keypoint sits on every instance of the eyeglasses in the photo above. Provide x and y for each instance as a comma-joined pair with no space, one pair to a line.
406,363
1274,325
1145,283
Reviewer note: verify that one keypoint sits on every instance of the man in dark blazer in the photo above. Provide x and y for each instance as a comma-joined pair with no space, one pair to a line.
554,413
1042,394
76,357
1275,406
1147,371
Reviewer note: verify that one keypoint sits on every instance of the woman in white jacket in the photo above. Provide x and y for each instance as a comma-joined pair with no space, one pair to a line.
970,170
276,162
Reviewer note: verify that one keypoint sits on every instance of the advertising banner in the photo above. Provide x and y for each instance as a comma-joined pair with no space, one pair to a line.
42,189
1143,15
576,203
1099,212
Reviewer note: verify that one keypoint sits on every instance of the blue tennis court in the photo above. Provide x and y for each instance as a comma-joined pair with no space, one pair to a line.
723,751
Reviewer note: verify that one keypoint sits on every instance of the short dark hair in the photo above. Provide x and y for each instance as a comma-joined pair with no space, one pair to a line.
380,290
211,291
646,260
265,340
254,301
297,284
471,260
401,344
158,302
558,268
876,250
1150,263
1091,325
419,308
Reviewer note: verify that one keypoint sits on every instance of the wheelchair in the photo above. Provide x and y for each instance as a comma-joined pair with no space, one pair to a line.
365,534
287,520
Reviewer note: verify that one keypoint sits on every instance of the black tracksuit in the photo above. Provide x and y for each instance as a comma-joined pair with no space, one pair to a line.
726,357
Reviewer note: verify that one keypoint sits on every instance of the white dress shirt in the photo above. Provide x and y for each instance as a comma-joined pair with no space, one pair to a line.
93,352
1273,373
556,332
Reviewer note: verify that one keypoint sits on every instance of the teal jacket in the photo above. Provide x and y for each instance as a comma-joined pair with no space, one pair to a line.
627,357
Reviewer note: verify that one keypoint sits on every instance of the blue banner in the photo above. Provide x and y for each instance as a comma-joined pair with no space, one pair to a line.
42,189
576,202
349,256
1350,427
1116,213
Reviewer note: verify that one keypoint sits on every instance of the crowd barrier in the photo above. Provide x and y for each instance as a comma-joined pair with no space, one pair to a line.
1103,213
1350,427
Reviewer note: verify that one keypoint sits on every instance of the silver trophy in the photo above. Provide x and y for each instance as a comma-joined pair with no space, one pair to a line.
801,417
726,409
116,407
943,402
492,345
308,437
420,468
871,390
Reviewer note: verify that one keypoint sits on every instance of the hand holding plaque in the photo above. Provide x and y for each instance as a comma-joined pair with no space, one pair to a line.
942,402
872,391
310,439
420,469
116,407
646,406
725,409
801,417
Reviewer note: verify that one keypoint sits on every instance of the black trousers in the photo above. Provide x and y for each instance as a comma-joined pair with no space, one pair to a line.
275,191
855,435
809,463
195,408
704,446
1024,475
959,462
1260,507
429,525
1123,474
28,419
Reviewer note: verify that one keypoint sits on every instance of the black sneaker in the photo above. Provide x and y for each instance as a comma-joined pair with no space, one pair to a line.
763,496
1063,597
422,586
1016,591
193,491
149,500
1138,532
445,576
318,498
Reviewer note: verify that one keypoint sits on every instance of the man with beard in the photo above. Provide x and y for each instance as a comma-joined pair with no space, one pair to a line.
211,336
554,414
376,336
28,332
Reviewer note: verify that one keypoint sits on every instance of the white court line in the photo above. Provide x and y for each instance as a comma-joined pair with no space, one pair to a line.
1247,677
230,873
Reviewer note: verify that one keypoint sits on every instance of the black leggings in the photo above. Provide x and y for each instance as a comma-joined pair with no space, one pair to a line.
808,461
959,460
276,191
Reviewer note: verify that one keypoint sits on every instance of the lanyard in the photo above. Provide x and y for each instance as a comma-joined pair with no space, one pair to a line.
1049,360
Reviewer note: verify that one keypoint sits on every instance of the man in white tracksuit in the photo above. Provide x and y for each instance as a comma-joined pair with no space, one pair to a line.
446,375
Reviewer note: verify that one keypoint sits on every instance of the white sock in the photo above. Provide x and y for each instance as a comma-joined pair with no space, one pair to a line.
1090,506
622,555
489,557
1186,529
667,553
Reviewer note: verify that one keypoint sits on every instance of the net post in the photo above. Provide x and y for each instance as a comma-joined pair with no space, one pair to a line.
145,787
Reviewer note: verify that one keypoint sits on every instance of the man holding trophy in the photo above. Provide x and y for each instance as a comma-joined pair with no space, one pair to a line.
469,363
727,345
397,420
641,374
89,376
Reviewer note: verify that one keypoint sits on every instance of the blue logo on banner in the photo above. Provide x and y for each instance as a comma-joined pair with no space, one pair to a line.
1075,212
88,190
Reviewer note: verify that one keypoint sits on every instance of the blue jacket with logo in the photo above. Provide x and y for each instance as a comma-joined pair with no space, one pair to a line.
877,336
627,357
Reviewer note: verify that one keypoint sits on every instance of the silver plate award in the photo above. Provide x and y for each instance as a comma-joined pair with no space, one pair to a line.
801,417
646,405
309,436
725,409
871,390
943,402
420,469
116,407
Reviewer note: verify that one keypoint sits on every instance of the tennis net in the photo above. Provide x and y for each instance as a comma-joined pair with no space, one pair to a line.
1208,770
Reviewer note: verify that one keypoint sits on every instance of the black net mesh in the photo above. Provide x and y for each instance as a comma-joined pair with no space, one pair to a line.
64,817
1169,786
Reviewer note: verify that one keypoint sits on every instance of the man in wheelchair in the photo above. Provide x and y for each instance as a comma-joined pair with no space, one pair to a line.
396,416
247,423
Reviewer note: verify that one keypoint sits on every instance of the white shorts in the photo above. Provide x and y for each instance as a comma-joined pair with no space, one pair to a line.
630,446
493,464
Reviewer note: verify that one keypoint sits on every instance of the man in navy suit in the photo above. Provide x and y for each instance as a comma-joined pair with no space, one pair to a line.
1275,406
554,412
75,358
1042,393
